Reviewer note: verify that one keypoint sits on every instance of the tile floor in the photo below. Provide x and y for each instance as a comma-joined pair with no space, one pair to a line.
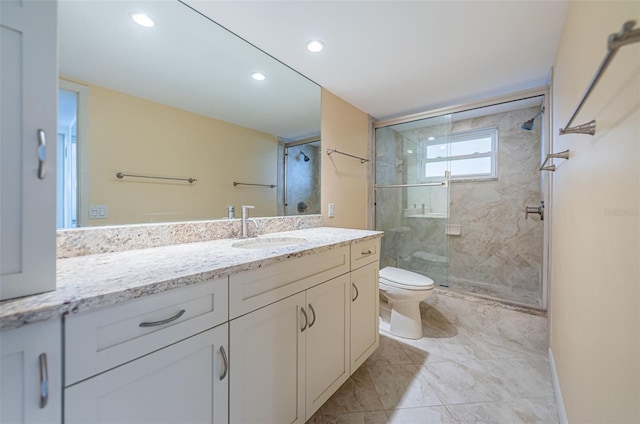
478,362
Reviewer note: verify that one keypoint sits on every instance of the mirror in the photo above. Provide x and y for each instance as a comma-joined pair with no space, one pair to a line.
172,109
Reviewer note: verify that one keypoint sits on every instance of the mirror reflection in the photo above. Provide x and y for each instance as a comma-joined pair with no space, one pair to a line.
176,106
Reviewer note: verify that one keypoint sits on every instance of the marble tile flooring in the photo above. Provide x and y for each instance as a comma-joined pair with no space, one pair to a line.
478,362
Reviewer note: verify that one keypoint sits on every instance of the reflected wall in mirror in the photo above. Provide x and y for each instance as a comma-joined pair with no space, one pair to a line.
173,100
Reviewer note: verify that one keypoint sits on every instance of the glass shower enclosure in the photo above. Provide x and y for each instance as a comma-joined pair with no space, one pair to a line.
412,197
451,194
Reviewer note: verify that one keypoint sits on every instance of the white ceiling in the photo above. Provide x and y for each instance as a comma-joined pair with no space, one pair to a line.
391,58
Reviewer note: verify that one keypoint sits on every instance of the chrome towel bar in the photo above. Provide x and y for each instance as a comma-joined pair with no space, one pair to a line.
440,184
235,183
362,160
627,35
121,175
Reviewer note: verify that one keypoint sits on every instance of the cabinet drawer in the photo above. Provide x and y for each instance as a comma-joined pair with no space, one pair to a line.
251,290
364,252
100,340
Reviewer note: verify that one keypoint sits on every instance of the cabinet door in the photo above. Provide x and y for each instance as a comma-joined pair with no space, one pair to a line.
364,313
28,95
31,387
327,340
186,382
267,373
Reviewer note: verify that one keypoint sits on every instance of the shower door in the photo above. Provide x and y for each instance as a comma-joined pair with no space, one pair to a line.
412,197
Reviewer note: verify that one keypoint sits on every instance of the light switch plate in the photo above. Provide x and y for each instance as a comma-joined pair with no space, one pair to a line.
332,210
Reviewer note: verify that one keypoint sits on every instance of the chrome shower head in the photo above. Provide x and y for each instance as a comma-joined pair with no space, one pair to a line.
528,125
306,158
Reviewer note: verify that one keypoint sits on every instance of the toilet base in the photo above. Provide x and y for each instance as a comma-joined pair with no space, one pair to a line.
406,320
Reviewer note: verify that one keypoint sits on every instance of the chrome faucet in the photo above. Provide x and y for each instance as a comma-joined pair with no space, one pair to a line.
245,219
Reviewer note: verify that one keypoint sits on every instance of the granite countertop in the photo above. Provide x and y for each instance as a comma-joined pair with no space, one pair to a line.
89,282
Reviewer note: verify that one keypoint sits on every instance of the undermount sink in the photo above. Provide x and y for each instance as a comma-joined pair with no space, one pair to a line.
268,242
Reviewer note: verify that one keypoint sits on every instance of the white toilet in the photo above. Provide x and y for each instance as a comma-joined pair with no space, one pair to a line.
405,290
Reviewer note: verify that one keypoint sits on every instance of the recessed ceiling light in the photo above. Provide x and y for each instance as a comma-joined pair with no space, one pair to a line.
409,151
431,138
315,46
258,76
142,19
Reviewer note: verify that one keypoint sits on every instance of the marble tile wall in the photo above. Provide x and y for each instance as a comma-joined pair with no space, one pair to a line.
499,253
93,240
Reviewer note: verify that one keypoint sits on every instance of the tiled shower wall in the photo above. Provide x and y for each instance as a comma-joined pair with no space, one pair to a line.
499,252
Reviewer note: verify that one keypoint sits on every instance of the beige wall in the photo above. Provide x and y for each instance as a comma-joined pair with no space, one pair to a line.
134,135
595,287
344,179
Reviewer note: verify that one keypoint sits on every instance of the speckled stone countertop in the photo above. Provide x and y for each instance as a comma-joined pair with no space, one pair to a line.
89,282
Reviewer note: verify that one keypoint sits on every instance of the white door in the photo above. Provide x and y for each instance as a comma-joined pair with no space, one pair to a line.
28,93
327,340
30,374
183,383
364,313
267,370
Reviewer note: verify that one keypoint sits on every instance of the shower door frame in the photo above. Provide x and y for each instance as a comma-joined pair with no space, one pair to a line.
546,183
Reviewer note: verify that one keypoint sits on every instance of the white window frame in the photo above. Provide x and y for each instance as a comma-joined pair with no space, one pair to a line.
457,138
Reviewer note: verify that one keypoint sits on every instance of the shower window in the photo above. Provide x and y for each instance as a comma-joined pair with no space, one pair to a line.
466,155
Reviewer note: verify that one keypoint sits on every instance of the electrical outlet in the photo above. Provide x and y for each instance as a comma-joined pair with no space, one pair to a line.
98,212
332,210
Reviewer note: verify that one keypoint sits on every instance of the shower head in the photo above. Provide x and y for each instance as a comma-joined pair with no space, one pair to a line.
306,158
528,125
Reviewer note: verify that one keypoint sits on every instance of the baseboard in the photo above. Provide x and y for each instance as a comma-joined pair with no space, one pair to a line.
562,413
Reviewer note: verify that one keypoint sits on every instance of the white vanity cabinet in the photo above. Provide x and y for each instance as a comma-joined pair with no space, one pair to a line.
30,374
291,356
183,383
299,329
162,358
365,338
28,96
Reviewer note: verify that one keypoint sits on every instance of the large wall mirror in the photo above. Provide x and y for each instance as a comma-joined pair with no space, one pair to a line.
164,105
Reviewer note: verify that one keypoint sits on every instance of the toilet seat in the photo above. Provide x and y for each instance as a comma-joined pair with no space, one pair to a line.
403,279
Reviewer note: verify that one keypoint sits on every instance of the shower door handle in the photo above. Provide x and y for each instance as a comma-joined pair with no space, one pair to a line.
533,209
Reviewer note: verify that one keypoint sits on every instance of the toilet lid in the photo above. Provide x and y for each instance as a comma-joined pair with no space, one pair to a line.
405,279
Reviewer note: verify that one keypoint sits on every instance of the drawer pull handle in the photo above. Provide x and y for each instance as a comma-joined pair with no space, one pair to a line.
366,252
164,321
42,154
357,293
314,316
44,380
306,320
225,362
